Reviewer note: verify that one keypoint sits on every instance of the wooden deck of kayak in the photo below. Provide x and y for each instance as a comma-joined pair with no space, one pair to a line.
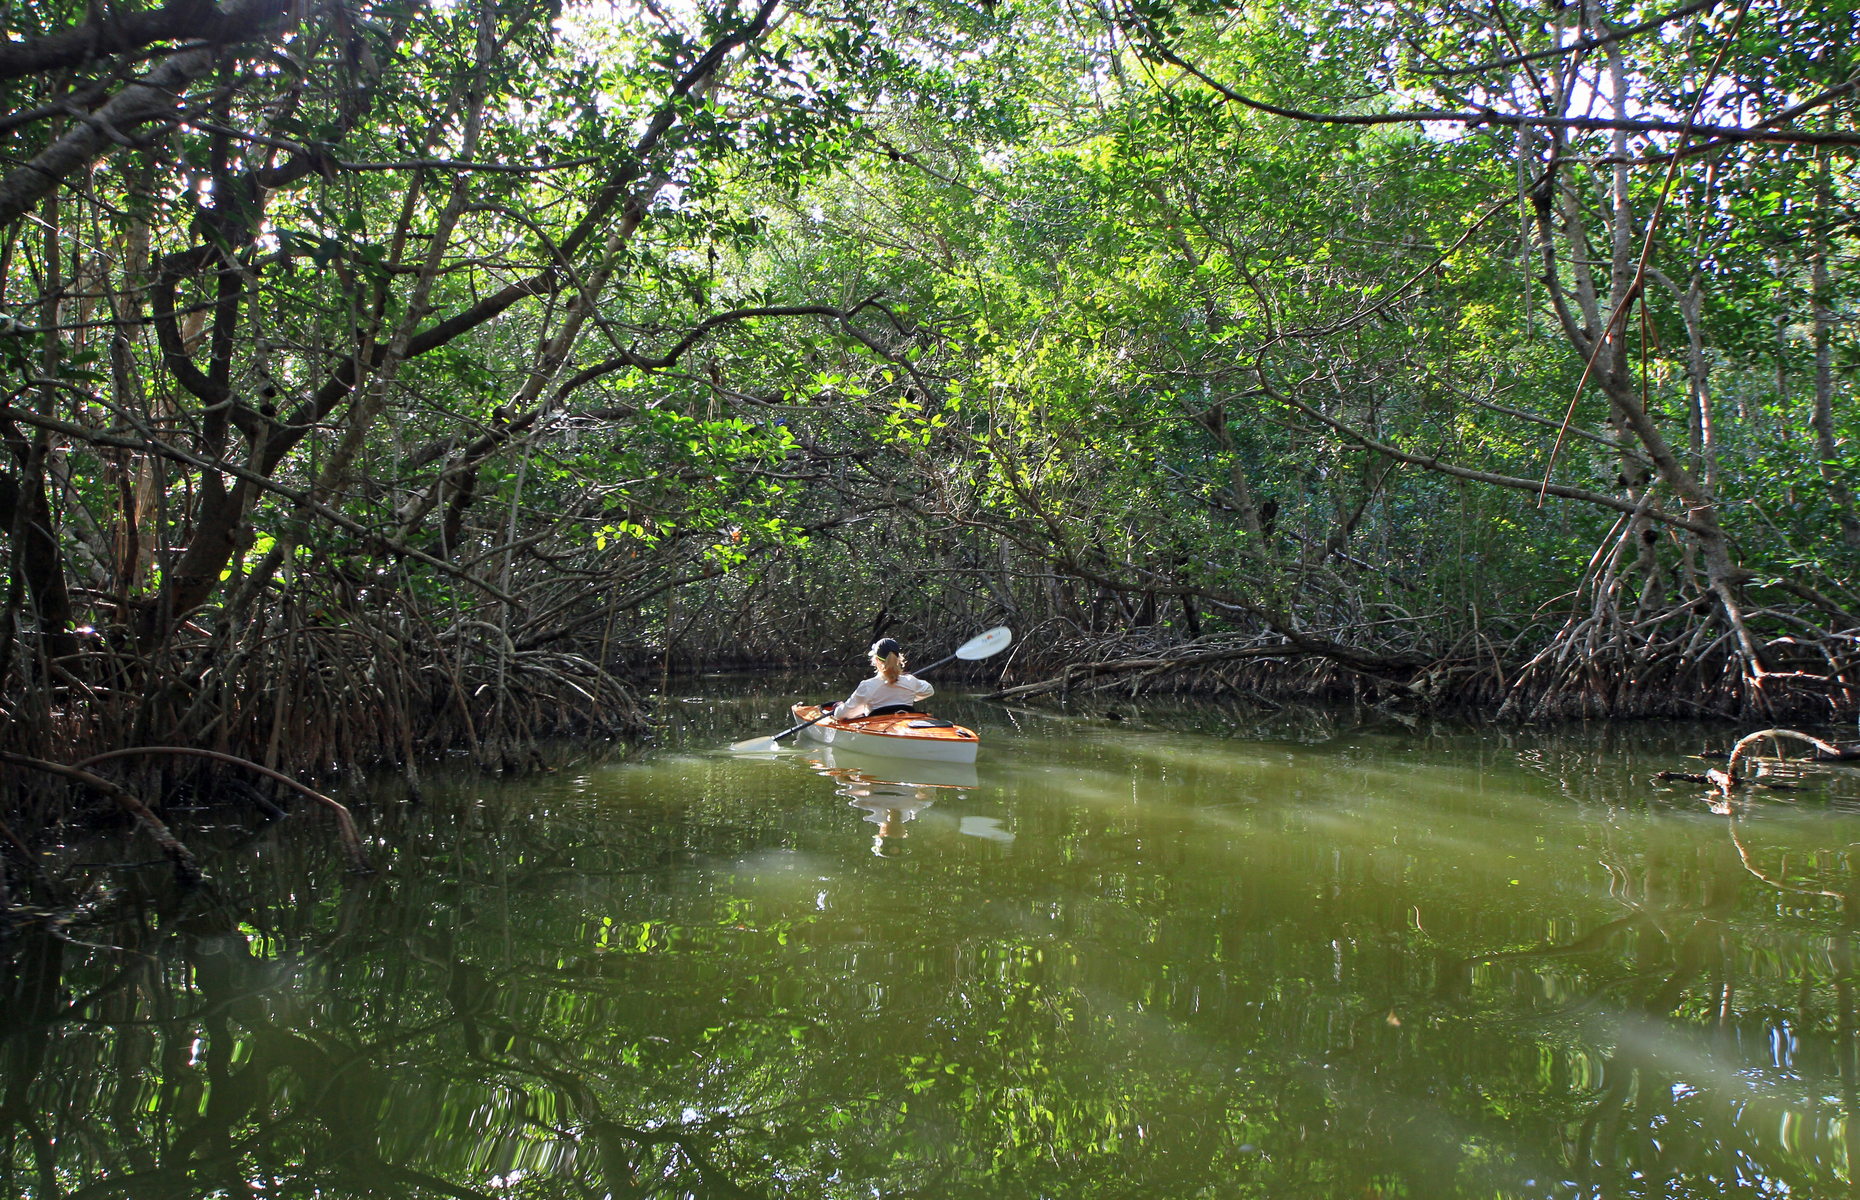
897,735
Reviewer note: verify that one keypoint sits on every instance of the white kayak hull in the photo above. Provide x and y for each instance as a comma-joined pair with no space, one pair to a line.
892,747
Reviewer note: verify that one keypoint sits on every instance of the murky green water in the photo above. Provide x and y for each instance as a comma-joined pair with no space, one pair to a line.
1192,953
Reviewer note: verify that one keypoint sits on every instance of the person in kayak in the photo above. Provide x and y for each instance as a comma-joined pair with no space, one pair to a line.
889,690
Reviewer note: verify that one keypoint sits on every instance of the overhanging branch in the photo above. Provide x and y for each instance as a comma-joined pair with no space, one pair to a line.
1718,134
1601,499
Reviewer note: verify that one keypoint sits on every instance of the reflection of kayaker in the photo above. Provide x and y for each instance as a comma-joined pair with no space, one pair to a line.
888,806
890,803
836,762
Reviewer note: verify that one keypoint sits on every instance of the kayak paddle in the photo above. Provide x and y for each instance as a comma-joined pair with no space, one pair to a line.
982,645
765,745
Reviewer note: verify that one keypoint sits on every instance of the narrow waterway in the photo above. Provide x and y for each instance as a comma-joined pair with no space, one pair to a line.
1197,951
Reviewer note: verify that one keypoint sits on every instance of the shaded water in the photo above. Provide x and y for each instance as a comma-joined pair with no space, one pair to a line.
1191,953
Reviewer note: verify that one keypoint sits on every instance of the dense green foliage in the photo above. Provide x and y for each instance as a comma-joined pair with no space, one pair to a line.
398,378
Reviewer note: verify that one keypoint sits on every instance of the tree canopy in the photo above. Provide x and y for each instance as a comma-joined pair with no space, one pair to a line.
404,376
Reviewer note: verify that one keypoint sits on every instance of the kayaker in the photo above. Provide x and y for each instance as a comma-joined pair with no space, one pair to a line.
889,690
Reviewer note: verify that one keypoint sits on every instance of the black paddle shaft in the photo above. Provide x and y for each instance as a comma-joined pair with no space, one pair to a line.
824,714
987,653
827,712
933,666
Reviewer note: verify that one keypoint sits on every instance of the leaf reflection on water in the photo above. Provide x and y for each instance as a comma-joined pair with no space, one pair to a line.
686,976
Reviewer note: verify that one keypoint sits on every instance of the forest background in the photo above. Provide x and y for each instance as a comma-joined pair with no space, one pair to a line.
385,379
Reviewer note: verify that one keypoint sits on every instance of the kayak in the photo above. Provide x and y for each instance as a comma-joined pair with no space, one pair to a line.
895,735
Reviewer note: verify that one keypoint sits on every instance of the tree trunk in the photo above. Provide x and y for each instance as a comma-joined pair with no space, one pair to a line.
39,555
1821,422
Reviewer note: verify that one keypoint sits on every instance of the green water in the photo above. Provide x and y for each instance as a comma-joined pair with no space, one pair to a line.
1198,952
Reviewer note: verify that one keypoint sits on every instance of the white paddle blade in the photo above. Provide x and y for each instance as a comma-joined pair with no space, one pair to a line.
983,645
761,745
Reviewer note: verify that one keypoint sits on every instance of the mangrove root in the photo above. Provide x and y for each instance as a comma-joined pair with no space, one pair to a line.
186,868
1775,735
345,822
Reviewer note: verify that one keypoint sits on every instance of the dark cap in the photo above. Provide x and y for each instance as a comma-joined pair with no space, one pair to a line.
885,646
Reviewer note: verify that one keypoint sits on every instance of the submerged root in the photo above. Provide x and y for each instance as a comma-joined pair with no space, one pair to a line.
345,822
1733,776
186,869
1731,773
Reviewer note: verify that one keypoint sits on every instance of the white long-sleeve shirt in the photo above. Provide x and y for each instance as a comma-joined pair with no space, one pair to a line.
876,693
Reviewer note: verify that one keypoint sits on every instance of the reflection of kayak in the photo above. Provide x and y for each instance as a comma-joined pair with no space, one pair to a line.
895,735
854,768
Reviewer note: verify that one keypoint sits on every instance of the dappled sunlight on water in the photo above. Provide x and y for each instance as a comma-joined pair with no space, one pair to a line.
1197,950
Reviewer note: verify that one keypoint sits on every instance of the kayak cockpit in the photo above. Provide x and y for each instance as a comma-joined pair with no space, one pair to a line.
893,735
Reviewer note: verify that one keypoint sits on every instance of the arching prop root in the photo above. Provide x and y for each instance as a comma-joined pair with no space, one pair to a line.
1775,735
186,867
345,822
1733,776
